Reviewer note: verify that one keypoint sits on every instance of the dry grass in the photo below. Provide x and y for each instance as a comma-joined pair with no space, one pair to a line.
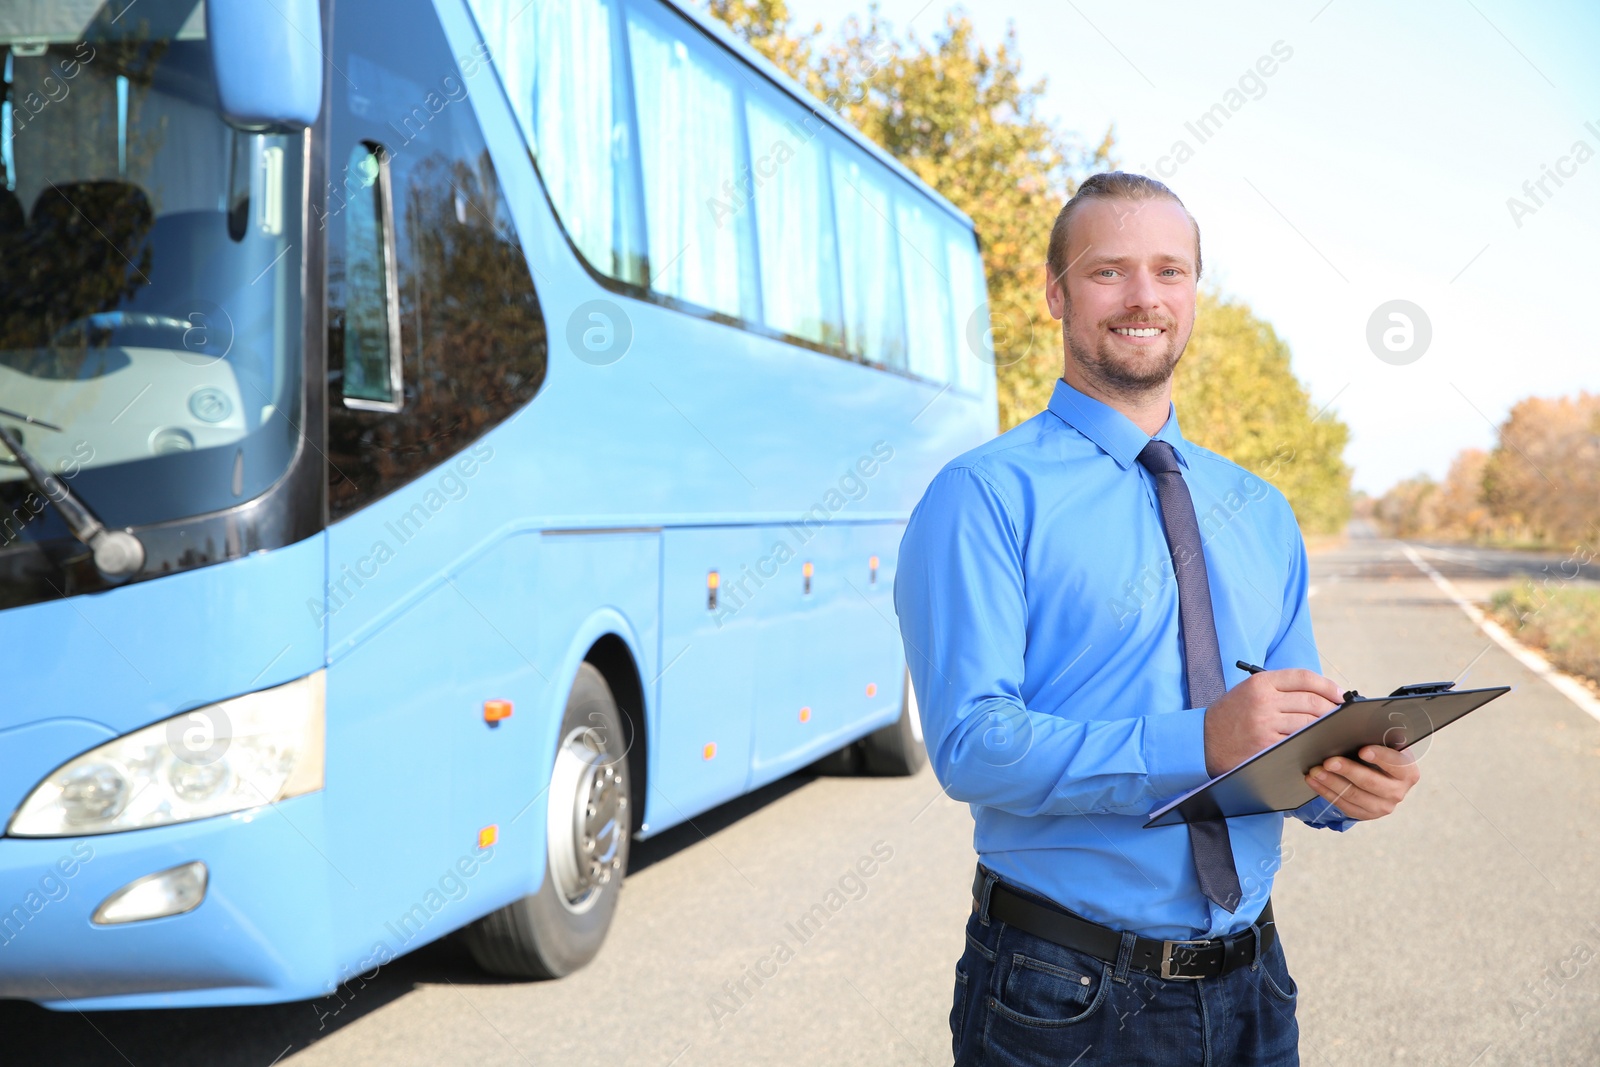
1562,623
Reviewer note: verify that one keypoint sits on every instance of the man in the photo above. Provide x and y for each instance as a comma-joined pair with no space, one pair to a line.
1073,596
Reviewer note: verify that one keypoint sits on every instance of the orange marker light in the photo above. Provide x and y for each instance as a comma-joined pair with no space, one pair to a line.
805,714
872,689
712,581
872,569
489,835
806,571
495,710
710,750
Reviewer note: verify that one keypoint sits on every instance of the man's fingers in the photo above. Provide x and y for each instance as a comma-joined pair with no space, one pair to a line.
1399,764
1362,791
1304,703
1308,704
1349,798
1352,799
1291,721
1368,779
1297,710
1297,679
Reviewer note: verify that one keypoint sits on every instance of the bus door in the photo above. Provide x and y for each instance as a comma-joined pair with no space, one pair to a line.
710,633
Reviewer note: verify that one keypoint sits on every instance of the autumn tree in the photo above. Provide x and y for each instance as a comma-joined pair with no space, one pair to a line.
1544,474
1459,506
961,116
1539,485
1453,510
1407,509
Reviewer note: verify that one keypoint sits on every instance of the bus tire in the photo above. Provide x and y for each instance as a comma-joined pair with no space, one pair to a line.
896,749
551,933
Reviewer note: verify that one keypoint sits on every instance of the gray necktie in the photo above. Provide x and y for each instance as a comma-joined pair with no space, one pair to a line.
1202,659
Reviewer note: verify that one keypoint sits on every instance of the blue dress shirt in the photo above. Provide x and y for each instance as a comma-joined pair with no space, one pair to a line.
1040,617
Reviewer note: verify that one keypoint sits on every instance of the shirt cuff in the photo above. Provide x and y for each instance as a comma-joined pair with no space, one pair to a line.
1323,815
1175,751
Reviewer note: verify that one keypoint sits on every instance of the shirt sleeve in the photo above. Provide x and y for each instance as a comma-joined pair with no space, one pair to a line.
1295,646
1323,815
960,594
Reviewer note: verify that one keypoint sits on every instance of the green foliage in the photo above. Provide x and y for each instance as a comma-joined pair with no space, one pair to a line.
962,118
1237,396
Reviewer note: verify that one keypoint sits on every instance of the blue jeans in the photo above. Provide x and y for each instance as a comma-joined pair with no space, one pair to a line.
1022,1001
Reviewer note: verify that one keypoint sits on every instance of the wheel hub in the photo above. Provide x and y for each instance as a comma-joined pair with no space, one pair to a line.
589,820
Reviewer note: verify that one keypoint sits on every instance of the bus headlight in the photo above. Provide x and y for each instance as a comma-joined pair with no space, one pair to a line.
234,755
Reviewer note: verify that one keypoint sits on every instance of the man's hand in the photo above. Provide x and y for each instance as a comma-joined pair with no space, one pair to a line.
1262,710
1362,791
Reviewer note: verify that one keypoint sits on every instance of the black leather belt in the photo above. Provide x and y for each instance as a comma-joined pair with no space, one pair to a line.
1166,959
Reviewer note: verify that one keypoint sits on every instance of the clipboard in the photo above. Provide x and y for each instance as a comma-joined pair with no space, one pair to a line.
1274,779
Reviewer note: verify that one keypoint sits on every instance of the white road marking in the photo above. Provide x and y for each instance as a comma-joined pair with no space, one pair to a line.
1456,557
1564,684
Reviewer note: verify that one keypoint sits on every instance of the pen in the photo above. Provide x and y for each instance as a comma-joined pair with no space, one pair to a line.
1253,669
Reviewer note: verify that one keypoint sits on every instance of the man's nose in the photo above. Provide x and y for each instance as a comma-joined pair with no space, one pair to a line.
1142,291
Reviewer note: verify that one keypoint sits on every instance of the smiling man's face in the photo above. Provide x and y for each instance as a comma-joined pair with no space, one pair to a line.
1131,279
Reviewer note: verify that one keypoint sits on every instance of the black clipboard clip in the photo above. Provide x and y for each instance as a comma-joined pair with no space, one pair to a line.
1415,689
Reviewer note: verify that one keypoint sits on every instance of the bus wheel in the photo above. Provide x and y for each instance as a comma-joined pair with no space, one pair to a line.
896,748
555,931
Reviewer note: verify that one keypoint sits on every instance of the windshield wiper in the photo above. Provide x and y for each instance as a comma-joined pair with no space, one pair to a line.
118,554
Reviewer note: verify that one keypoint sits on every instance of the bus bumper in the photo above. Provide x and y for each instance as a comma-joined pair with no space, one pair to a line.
262,933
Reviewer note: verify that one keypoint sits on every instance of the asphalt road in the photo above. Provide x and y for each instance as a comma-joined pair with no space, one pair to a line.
1462,932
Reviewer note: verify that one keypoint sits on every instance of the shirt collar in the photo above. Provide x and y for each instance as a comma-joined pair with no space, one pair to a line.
1112,431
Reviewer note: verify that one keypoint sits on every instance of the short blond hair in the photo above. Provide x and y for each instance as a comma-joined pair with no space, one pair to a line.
1110,185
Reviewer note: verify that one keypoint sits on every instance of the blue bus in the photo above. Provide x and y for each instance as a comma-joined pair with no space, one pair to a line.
443,441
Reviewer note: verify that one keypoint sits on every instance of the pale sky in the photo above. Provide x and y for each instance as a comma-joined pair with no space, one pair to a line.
1375,165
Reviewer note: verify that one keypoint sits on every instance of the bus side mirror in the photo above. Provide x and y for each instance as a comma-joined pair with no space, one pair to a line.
267,57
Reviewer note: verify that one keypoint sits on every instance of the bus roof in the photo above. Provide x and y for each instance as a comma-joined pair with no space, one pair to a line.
715,28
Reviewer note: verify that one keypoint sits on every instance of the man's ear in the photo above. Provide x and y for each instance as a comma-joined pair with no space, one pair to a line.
1055,293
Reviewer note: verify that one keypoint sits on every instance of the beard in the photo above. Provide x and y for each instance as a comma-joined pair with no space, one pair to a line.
1129,371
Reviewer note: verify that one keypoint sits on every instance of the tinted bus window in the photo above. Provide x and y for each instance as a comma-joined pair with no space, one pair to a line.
690,153
925,281
794,222
570,96
969,299
372,367
869,265
674,171
471,336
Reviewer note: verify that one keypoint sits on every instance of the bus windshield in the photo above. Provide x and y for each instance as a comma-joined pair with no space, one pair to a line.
150,314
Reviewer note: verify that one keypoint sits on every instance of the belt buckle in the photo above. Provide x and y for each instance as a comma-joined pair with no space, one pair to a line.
1166,959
